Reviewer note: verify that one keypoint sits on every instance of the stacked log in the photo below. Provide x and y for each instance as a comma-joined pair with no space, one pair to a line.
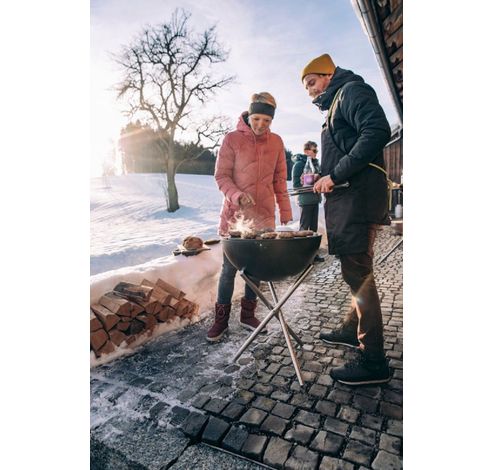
130,311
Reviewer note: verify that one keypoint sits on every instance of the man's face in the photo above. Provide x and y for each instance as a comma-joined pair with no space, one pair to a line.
316,84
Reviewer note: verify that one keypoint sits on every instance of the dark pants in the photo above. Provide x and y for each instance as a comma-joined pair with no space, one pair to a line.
357,272
309,217
227,284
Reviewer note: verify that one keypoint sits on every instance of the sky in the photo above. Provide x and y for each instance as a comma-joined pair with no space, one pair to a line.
269,41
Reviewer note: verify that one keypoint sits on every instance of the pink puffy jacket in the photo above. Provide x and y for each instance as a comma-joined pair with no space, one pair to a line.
256,165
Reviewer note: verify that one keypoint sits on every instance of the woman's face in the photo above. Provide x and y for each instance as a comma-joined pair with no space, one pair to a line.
259,123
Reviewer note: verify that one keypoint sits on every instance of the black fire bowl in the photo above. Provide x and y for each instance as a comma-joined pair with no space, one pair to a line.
274,259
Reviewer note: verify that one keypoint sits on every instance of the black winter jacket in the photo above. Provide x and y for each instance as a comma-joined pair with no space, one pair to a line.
352,138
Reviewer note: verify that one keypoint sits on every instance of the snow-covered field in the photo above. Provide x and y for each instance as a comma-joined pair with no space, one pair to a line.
133,236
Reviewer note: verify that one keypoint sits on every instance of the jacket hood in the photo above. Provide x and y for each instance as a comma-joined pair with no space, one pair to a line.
299,157
242,126
340,78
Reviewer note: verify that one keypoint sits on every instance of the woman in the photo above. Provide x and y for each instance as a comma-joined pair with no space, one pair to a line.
251,173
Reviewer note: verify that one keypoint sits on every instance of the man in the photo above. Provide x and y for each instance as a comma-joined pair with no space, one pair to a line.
353,137
308,202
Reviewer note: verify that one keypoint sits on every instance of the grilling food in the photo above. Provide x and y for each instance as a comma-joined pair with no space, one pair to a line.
303,233
285,234
269,235
234,233
248,235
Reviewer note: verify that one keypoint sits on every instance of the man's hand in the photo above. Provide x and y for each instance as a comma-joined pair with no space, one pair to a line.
246,200
324,185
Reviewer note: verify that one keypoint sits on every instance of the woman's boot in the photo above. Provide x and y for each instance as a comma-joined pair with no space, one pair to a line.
247,315
220,322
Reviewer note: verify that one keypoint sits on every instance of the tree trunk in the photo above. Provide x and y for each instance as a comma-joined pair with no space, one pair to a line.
172,192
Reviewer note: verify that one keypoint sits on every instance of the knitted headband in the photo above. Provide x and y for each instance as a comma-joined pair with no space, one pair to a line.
261,108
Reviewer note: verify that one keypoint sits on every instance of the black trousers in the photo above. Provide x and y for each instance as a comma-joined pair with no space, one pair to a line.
309,217
357,272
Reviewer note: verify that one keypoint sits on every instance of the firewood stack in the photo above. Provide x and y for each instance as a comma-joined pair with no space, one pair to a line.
131,310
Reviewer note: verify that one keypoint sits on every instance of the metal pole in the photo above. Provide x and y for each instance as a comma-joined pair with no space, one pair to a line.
273,311
286,336
264,299
391,251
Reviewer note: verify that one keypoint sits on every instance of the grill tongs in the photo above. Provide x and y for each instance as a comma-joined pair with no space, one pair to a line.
309,189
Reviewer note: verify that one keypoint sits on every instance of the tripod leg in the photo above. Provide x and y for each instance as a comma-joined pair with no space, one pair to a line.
273,311
291,332
290,349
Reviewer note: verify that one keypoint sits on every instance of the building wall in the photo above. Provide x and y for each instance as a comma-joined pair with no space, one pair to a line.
392,154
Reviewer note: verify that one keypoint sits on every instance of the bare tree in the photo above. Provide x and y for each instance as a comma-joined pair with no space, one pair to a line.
167,81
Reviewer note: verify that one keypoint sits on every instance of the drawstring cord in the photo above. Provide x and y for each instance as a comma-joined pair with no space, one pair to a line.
374,165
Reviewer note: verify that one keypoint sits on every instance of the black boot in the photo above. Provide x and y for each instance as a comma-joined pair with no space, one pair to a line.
347,334
363,370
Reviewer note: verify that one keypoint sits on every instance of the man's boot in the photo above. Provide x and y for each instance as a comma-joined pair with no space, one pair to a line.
220,322
346,335
247,315
364,370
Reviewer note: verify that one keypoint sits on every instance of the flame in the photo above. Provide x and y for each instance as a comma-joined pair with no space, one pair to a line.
242,225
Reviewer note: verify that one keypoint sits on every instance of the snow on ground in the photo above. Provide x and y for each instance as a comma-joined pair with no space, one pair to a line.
133,236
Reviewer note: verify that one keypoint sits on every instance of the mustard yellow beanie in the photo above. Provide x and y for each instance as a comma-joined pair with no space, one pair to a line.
321,65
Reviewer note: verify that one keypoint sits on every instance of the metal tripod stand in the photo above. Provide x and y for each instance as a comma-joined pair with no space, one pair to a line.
275,311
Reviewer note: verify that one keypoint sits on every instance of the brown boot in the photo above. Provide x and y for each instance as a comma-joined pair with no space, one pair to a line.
220,322
247,315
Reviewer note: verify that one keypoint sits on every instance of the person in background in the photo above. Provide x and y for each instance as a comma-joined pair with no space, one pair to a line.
289,164
308,202
353,137
251,174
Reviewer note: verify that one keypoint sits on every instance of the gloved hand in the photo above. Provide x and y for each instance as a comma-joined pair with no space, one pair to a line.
246,200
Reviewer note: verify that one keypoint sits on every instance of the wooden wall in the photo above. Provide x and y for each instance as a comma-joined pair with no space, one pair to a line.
392,154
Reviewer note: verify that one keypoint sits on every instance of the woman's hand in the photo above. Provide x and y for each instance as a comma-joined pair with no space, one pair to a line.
246,200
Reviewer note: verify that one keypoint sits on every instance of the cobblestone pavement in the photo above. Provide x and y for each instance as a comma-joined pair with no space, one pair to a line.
179,399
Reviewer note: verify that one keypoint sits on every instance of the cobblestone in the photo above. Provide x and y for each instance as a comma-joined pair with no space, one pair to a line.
215,430
300,433
326,408
346,413
253,416
336,426
233,411
235,438
254,446
390,444
301,459
194,424
277,452
283,410
327,443
358,453
274,425
373,422
363,434
386,461
310,419
330,463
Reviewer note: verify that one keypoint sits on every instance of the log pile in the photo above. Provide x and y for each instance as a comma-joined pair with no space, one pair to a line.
132,310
